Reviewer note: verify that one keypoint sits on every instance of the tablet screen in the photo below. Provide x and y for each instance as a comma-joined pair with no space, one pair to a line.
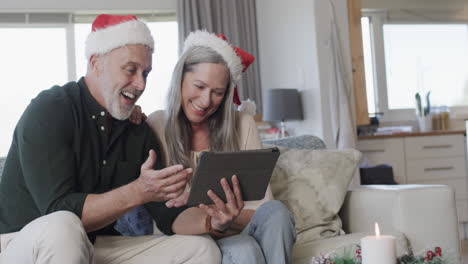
252,167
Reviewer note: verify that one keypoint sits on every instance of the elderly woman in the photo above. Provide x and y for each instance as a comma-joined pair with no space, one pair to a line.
200,116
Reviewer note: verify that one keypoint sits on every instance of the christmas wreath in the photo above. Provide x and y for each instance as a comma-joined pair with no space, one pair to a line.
349,257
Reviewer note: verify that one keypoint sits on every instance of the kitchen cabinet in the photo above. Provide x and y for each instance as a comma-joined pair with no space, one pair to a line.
426,159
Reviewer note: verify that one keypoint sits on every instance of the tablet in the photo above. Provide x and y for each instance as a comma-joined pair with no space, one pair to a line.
253,168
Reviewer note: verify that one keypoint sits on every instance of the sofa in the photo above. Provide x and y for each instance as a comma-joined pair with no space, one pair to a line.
419,216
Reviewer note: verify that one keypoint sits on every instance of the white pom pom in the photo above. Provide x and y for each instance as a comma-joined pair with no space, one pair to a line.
248,106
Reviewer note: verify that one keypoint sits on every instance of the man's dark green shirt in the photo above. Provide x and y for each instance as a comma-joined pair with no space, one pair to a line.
66,146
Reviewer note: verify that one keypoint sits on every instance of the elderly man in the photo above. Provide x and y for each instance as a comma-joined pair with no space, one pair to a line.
77,165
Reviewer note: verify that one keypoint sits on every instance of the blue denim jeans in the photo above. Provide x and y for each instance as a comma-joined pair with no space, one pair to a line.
268,238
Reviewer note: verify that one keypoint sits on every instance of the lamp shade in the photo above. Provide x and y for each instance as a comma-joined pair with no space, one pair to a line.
281,105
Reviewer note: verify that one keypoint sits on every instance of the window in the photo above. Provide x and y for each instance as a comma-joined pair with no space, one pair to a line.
404,58
28,69
164,59
368,64
423,58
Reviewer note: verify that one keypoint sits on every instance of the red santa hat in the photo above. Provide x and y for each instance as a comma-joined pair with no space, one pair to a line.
236,59
113,31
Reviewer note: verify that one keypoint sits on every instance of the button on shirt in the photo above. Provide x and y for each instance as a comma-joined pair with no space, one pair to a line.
66,146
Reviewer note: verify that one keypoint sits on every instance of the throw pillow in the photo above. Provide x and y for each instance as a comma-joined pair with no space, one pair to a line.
313,185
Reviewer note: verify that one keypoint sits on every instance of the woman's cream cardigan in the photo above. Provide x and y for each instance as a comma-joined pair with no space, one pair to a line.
249,139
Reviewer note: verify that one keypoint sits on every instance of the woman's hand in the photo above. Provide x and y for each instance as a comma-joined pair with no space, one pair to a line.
137,116
179,201
223,214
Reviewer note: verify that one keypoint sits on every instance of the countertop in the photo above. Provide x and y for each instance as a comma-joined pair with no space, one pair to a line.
414,134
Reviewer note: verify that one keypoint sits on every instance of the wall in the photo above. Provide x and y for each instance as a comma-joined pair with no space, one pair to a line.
288,56
414,10
426,4
294,53
67,5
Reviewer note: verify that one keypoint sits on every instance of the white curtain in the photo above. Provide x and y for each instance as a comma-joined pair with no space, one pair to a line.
341,96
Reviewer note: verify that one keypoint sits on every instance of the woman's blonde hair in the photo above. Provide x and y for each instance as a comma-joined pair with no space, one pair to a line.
222,123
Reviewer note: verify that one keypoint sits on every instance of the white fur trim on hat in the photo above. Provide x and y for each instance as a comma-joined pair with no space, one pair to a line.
210,40
129,32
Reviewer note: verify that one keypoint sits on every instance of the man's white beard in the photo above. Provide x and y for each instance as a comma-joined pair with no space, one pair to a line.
115,109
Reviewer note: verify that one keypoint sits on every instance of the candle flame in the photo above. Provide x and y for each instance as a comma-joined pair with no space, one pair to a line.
377,229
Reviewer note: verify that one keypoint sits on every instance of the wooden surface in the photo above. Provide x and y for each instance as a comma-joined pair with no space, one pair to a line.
415,134
464,251
357,60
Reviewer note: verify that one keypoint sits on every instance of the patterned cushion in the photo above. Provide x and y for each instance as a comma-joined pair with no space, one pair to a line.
298,142
313,185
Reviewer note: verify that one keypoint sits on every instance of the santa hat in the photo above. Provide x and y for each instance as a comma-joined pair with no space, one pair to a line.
113,31
236,59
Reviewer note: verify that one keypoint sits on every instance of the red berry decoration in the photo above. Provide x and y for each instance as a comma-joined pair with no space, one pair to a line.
358,253
429,255
438,251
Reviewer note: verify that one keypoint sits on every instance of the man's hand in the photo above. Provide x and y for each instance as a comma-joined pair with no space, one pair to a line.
223,214
137,116
161,185
100,210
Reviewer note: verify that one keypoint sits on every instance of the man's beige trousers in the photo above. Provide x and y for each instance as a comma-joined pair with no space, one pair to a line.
60,238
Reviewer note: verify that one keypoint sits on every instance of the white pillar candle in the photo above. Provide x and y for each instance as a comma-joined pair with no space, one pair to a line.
378,249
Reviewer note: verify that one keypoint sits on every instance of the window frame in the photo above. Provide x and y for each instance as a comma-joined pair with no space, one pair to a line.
379,18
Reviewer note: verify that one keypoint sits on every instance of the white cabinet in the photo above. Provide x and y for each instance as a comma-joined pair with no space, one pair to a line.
434,146
438,159
444,168
386,151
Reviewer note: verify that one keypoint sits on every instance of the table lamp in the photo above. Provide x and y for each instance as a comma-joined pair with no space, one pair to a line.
282,105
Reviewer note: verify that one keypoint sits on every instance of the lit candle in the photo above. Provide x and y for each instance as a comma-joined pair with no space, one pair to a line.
378,249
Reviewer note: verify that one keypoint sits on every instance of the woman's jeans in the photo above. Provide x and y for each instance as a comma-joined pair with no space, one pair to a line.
268,238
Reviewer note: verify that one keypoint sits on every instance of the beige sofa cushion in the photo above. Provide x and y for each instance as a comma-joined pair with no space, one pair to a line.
304,252
313,185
